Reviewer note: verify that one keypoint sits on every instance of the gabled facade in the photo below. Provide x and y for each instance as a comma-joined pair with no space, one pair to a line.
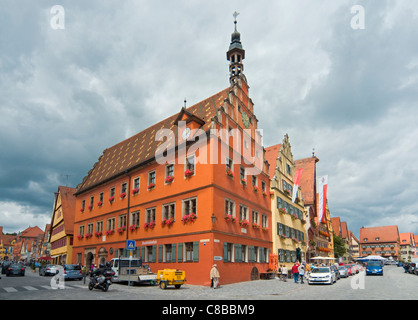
6,245
383,241
62,226
407,243
187,202
25,247
308,188
288,217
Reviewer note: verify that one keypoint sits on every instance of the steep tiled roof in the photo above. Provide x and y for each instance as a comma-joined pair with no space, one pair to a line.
344,230
271,155
383,234
141,147
405,238
31,232
307,180
68,207
335,222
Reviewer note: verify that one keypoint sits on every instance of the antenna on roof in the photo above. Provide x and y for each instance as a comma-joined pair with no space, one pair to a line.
185,102
313,152
66,175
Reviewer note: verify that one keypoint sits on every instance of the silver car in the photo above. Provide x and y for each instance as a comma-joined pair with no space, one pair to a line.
343,272
322,275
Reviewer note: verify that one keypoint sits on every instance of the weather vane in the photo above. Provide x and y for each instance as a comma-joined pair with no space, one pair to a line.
235,15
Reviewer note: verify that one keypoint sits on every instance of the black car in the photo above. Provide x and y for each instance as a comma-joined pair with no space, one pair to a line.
4,266
15,269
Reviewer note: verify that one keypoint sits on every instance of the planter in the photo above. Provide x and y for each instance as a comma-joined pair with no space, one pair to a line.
229,173
169,179
149,225
244,223
109,232
189,218
122,195
133,227
121,230
188,173
282,211
98,234
151,186
89,235
111,199
80,236
230,218
167,222
135,191
99,203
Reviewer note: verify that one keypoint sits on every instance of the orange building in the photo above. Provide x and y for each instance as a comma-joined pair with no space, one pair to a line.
188,190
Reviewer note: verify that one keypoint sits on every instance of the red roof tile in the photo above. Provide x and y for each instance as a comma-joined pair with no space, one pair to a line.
141,147
308,178
271,155
383,234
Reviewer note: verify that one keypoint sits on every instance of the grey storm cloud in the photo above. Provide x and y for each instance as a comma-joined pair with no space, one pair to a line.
119,67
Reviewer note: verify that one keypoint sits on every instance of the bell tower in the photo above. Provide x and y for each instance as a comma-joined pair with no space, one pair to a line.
235,55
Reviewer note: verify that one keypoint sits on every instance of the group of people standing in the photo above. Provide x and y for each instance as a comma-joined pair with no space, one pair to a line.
298,270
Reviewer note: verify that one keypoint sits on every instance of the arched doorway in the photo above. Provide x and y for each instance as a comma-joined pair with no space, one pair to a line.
254,274
89,259
102,255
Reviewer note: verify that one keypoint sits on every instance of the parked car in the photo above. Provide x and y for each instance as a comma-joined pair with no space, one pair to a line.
50,270
72,271
42,269
336,271
348,267
343,271
374,267
412,267
321,275
4,266
15,269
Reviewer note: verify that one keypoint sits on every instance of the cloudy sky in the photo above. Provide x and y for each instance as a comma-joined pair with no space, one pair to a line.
335,77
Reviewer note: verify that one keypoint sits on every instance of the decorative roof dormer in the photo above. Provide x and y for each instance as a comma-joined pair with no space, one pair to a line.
235,55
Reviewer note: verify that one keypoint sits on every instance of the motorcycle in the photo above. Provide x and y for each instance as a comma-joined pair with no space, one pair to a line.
102,281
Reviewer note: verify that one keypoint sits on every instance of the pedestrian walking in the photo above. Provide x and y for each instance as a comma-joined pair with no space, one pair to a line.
284,273
214,276
279,272
295,271
301,272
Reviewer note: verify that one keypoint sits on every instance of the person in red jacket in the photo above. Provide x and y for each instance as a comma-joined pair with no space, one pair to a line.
295,271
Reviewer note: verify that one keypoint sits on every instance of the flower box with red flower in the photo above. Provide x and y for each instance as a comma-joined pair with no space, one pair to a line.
188,173
286,192
265,229
149,225
229,172
99,203
255,188
294,216
88,235
121,229
135,191
229,218
283,236
264,194
295,240
189,218
80,236
151,186
244,182
98,234
169,179
122,195
282,211
109,232
90,207
167,222
133,227
82,210
256,226
111,199
244,223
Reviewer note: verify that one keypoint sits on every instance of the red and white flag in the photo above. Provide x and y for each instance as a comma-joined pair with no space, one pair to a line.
322,200
296,181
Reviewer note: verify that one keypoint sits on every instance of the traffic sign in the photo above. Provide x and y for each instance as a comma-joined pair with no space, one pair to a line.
130,244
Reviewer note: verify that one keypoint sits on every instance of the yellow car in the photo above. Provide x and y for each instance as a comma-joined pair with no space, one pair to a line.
169,277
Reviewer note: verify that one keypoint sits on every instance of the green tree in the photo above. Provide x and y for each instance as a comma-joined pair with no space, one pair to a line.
339,248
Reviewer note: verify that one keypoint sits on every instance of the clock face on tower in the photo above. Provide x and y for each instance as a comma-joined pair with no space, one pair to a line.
186,133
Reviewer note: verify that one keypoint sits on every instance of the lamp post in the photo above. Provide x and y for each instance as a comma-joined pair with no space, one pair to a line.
213,218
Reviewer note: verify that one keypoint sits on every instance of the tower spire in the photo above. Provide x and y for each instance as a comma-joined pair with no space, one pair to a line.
235,54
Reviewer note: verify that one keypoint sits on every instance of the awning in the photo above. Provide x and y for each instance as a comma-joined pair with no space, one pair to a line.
45,258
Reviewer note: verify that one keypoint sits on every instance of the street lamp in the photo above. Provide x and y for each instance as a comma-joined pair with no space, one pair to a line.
213,218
